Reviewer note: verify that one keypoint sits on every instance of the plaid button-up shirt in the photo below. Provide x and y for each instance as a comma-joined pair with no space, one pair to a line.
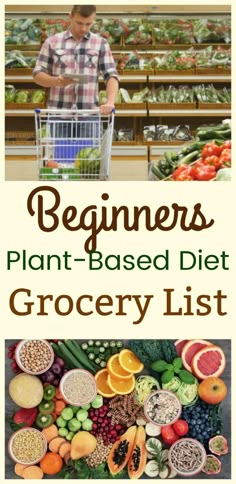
62,53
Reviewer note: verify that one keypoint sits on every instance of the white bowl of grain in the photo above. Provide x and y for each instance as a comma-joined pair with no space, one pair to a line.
34,356
78,387
162,407
187,457
27,446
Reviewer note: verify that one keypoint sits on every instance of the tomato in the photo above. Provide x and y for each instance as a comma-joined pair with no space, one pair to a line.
168,434
211,149
180,427
227,144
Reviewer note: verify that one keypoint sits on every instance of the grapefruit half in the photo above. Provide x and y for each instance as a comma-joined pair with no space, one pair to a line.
190,349
179,344
209,361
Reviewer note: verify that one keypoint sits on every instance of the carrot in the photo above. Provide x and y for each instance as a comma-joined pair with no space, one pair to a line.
19,469
64,449
32,472
58,394
51,463
59,405
50,432
54,444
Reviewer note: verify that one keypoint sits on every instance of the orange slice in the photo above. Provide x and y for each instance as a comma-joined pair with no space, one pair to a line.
102,384
130,362
121,386
115,369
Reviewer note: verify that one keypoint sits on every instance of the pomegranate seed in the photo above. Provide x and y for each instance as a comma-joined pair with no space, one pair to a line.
11,348
96,412
10,355
118,427
94,426
13,364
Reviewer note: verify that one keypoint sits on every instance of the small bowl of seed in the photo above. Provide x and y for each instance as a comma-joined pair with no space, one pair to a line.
27,446
34,356
162,407
78,387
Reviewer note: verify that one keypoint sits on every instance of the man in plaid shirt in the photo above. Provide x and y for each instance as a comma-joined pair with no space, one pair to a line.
77,51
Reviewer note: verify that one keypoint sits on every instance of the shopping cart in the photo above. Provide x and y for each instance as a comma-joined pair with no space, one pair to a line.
73,144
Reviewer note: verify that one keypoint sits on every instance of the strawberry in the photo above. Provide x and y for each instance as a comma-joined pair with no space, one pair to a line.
25,416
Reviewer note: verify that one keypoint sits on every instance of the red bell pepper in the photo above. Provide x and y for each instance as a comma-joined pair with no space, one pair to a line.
225,157
183,173
213,160
202,172
25,416
211,149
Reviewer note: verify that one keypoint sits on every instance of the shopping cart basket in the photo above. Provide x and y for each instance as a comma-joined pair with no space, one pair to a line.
73,144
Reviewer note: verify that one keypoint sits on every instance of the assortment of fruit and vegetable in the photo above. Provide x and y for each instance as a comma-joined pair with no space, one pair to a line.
148,409
200,160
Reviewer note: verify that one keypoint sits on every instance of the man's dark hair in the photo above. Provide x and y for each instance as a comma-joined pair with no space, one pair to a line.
83,10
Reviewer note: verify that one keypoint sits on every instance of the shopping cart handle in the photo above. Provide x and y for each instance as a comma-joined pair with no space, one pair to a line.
113,110
37,110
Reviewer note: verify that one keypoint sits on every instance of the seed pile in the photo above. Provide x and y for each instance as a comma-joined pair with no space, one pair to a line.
125,409
100,454
35,355
79,388
28,446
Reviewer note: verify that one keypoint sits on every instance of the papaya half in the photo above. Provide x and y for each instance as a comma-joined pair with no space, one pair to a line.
121,451
138,457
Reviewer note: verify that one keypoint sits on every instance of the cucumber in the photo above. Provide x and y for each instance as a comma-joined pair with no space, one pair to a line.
189,158
80,355
157,172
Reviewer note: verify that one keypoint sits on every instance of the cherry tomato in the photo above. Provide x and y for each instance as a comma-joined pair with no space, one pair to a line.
168,434
180,427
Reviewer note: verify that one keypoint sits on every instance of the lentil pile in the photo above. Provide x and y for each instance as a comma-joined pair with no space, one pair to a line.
125,409
28,446
187,456
79,388
163,408
100,454
35,355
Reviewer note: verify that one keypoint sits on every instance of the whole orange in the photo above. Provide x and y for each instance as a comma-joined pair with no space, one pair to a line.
212,390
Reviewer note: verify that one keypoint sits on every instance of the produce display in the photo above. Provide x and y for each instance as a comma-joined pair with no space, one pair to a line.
22,31
177,60
24,96
15,58
125,409
201,160
162,132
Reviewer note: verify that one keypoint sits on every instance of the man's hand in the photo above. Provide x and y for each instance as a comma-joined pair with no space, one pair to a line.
106,108
63,82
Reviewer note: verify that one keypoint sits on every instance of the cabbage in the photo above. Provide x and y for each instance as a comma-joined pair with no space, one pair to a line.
224,174
22,97
172,385
38,96
145,384
10,93
188,392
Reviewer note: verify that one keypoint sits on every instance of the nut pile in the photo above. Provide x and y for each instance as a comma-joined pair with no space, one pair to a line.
28,446
35,355
100,454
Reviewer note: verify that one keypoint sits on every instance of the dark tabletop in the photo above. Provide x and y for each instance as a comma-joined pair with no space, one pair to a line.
10,408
